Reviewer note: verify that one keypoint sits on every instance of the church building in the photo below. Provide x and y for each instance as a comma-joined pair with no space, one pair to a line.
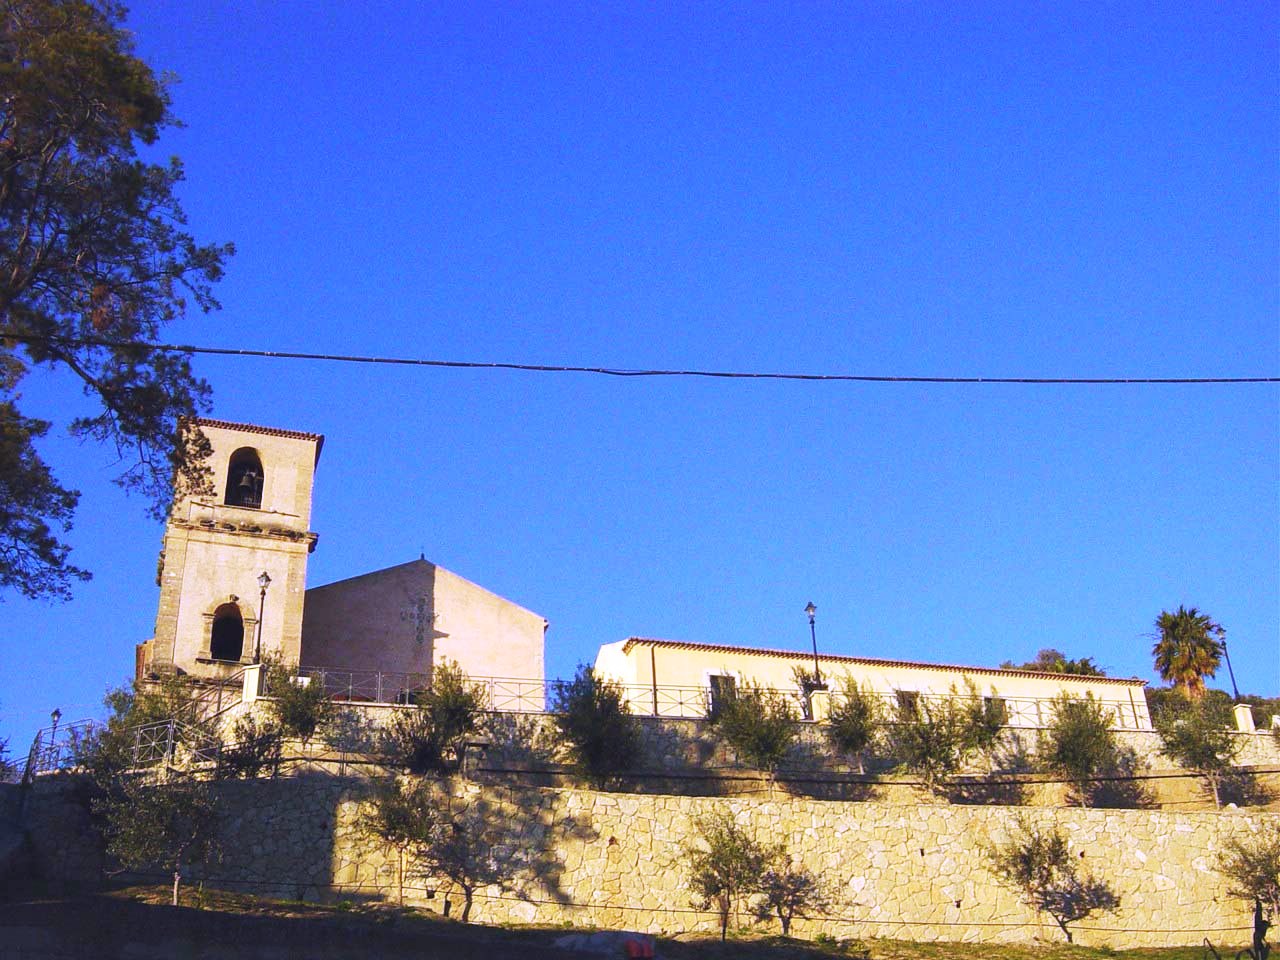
233,583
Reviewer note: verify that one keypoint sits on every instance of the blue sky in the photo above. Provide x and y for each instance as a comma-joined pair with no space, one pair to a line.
901,189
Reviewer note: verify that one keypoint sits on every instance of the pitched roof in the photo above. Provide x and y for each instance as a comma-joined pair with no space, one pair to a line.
868,661
265,431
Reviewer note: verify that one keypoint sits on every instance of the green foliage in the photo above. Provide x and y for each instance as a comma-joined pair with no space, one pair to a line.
300,705
162,823
107,751
1200,737
788,890
1050,660
935,738
855,721
1251,864
759,724
471,844
250,749
724,864
1080,746
431,735
1079,743
1038,864
94,258
599,733
1188,649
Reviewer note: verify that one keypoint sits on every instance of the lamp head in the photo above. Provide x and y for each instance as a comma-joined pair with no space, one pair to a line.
810,609
264,580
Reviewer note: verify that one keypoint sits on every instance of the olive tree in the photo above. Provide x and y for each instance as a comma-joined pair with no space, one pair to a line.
1039,865
600,739
169,823
430,735
759,724
724,863
1200,738
934,738
855,722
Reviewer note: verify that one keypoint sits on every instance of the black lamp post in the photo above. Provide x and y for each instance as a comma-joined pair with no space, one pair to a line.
811,610
53,737
264,581
1235,690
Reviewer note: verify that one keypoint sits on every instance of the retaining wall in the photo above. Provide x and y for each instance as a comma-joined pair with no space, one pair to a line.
911,871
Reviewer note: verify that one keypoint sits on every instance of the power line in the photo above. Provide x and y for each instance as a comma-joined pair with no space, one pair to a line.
611,371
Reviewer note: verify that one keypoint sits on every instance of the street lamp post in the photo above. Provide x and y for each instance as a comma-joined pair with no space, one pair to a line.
811,610
1235,690
264,581
54,750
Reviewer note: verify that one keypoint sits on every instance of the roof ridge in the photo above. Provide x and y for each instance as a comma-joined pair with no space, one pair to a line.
883,661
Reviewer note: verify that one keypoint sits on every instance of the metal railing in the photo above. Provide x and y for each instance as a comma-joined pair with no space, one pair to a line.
55,748
216,697
173,743
515,695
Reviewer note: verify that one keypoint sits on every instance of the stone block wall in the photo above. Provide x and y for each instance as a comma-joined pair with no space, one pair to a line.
911,871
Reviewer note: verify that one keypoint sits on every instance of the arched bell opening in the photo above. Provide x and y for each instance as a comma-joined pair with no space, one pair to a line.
244,479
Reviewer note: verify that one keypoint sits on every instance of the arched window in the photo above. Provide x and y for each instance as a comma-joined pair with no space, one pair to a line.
244,479
227,640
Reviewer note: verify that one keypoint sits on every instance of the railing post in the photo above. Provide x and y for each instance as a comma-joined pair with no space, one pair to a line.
251,684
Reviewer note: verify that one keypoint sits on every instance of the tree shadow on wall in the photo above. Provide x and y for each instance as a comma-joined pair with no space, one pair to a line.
1005,784
1244,788
1123,787
508,839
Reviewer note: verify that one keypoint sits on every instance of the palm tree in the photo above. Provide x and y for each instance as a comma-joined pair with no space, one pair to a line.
1189,649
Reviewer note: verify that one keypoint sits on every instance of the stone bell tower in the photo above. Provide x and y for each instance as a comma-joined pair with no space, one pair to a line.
237,555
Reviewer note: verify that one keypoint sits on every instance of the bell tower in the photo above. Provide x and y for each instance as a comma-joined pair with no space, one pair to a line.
233,569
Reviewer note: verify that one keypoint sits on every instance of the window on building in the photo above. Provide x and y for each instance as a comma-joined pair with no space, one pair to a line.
723,687
908,702
227,640
244,479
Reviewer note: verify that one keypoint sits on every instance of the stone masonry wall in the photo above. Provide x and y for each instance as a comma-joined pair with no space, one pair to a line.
908,871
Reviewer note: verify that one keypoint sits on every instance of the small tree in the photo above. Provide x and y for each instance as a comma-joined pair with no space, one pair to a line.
855,721
1079,744
300,704
401,814
759,724
1038,864
431,735
165,823
935,738
1200,738
788,890
600,735
724,865
1251,864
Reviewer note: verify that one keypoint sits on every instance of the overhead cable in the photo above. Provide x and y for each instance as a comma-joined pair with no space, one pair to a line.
609,371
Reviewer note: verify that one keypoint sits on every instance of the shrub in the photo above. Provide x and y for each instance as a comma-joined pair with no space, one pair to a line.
724,864
759,724
855,721
1039,865
600,735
